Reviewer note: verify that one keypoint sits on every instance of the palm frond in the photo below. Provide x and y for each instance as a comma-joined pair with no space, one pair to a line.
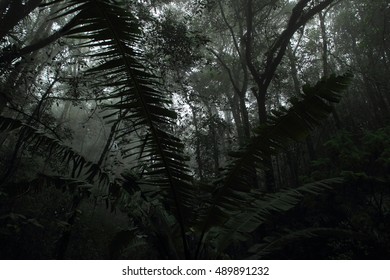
113,35
236,208
240,215
55,148
296,123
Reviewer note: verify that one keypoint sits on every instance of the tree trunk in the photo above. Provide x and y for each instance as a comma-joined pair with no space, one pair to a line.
233,101
198,156
325,63
244,117
269,172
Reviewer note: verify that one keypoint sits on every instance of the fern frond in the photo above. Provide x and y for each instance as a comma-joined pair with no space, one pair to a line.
111,32
55,148
236,208
241,215
296,123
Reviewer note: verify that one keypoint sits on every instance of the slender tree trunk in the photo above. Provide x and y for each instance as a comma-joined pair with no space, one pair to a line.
269,172
244,116
215,149
325,63
324,37
233,101
293,70
198,156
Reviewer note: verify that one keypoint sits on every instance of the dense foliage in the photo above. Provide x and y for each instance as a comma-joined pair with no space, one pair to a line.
194,129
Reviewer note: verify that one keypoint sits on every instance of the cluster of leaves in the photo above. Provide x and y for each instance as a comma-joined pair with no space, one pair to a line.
363,203
175,45
358,152
56,148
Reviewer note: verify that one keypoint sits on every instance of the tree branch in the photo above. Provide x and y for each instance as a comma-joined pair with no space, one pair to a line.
10,17
235,86
298,19
9,56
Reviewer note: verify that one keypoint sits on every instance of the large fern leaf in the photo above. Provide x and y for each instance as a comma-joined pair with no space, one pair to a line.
55,148
236,217
236,208
111,32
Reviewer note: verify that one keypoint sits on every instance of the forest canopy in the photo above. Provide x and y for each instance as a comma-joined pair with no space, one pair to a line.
194,129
